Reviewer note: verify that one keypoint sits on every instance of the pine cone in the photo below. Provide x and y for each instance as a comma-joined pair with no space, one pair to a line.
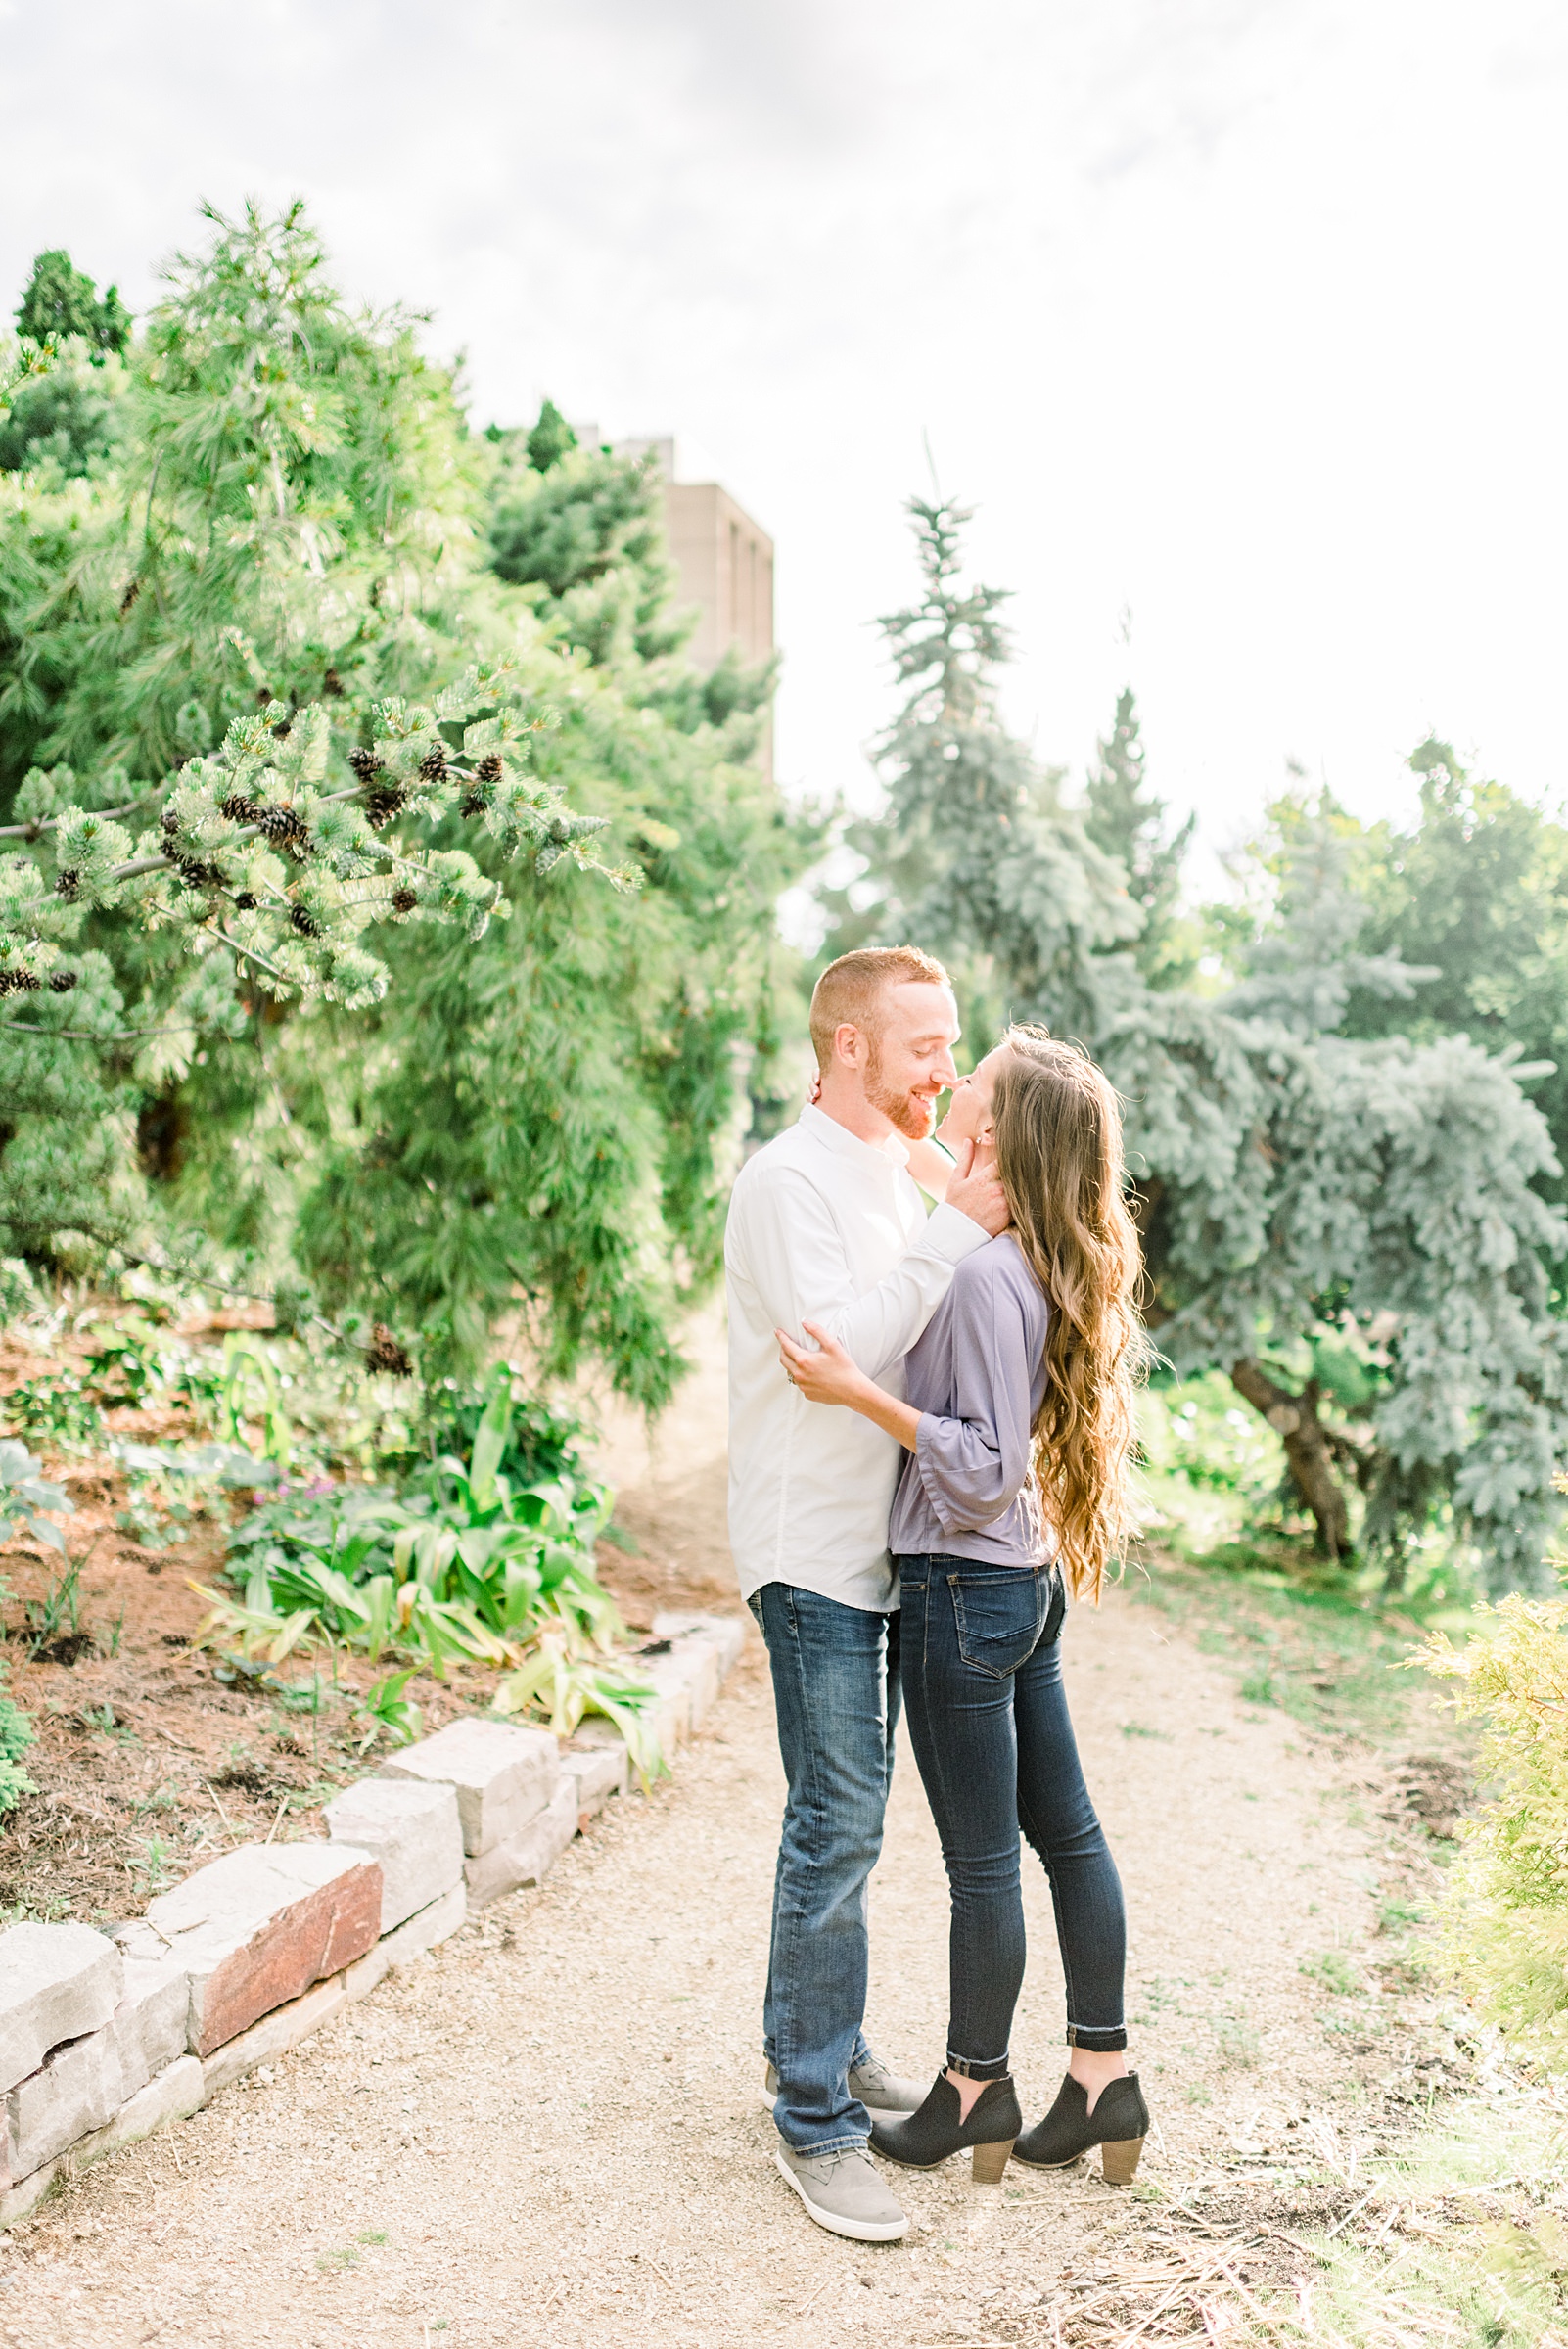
364,763
129,597
68,885
197,875
474,802
404,900
383,803
263,695
305,923
284,729
488,769
332,685
433,767
284,827
245,903
62,981
238,809
168,823
385,1354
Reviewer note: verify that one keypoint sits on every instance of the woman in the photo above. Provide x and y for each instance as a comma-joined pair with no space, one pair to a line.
1018,1431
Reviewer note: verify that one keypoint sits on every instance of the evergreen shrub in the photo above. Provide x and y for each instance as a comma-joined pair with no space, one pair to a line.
1503,1926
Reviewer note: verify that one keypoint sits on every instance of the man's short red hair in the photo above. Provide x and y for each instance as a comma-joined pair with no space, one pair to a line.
853,991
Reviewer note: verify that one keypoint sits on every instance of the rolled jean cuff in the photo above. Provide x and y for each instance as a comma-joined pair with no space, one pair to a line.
1096,2042
993,2068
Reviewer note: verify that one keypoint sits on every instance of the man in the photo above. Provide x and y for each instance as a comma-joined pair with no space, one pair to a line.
826,1222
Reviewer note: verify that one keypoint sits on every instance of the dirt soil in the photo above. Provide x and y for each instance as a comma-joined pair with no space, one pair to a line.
549,2131
146,1764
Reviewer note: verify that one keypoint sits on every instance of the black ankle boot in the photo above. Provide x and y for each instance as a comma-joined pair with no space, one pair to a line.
923,2138
1118,2125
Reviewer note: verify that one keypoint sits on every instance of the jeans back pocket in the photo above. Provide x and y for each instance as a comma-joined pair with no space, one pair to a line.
1000,1614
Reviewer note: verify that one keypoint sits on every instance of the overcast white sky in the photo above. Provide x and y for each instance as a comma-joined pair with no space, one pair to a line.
1243,316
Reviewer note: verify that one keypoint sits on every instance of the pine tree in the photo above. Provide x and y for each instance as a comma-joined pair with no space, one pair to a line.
1022,925
1476,890
271,634
1125,819
547,444
61,300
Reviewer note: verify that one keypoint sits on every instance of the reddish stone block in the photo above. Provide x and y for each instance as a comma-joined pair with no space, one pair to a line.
258,1927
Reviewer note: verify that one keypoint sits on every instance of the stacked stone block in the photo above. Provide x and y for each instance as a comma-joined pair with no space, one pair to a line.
105,2038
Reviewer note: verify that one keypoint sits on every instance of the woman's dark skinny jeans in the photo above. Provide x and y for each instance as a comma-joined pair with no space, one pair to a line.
988,1718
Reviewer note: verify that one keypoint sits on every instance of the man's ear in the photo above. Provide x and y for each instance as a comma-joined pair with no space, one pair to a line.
849,1045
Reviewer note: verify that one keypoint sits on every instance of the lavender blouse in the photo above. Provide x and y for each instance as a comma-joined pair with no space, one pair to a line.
976,1376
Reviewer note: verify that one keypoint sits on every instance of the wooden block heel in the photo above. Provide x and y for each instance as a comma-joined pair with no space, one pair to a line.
1118,2162
988,2162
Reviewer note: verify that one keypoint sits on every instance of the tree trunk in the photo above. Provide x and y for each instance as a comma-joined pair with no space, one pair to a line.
1306,1450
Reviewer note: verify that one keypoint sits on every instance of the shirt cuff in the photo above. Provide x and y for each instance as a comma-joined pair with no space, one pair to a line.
931,1483
951,1234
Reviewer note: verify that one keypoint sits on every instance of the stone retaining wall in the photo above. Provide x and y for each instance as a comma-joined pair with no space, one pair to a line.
105,2038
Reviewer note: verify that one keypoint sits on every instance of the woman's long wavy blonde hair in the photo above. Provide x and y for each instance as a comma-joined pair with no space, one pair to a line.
1058,1127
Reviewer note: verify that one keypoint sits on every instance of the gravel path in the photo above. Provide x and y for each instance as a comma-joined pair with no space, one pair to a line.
549,2131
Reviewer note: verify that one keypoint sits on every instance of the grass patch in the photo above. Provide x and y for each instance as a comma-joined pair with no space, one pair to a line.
1459,2242
1325,1657
1335,1970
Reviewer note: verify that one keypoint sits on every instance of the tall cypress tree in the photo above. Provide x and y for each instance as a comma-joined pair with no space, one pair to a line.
1130,822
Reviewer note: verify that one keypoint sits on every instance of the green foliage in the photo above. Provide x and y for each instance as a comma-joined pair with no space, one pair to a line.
392,1714
61,300
67,416
17,1733
23,1494
1477,891
1504,1918
303,656
58,1614
1128,821
1351,1229
54,1410
547,444
462,1567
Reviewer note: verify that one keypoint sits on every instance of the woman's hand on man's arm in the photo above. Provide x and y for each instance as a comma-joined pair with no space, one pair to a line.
830,1375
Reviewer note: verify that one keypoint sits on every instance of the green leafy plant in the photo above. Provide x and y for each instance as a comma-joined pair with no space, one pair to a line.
389,1712
17,1733
24,1494
246,1365
464,1566
57,1615
129,1363
56,1409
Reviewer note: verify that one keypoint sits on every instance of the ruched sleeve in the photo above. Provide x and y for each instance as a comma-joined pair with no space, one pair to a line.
974,1463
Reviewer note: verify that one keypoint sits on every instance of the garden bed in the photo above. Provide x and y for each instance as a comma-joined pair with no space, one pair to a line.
153,1757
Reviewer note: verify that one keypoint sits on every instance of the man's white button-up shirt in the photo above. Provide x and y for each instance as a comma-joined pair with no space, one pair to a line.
827,1227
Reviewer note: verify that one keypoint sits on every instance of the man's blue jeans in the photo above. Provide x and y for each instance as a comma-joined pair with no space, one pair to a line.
836,1693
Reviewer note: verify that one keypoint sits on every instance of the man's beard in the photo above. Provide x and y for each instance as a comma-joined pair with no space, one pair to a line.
911,1115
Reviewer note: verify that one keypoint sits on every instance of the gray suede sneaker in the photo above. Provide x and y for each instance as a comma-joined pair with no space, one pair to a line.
845,2193
880,2091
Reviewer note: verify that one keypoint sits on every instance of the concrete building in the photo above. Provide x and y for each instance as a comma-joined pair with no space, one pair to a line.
725,562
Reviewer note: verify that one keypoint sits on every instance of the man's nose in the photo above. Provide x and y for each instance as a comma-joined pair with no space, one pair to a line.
944,1072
